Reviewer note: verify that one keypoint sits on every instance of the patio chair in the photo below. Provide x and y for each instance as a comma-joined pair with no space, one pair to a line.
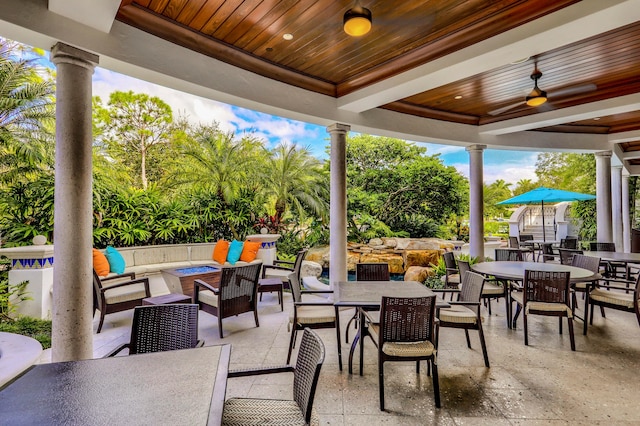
299,410
569,243
615,297
283,268
235,295
566,255
465,312
492,288
315,315
548,253
367,272
515,244
545,293
407,332
589,263
508,255
112,294
611,269
451,277
157,328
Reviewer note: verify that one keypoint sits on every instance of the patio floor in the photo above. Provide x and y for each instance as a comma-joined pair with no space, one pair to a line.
544,383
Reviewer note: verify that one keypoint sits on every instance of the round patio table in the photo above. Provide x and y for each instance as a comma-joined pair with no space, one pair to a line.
515,270
615,256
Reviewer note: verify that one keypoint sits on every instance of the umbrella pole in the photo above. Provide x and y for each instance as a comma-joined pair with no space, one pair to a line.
544,236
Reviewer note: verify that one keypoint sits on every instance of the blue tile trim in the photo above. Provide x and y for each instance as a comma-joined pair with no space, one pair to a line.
44,263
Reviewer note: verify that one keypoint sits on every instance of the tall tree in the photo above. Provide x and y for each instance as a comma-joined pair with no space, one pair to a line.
524,185
132,126
294,178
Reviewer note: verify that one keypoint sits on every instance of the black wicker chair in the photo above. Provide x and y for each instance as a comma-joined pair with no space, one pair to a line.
611,269
314,315
589,263
118,293
283,268
545,293
566,255
157,328
508,255
299,410
407,332
465,312
236,294
615,297
367,272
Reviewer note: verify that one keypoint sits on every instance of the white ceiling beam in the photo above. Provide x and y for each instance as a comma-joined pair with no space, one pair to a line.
98,14
603,108
630,136
577,22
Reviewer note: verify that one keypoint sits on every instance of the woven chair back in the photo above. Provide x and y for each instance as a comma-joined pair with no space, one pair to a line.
372,272
295,289
508,255
407,319
449,260
589,263
513,242
463,267
159,328
526,237
307,371
471,289
569,243
297,265
602,246
239,282
546,286
566,255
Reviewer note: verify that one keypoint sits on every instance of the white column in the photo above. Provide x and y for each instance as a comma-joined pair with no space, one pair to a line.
626,217
338,204
72,333
476,201
616,206
603,197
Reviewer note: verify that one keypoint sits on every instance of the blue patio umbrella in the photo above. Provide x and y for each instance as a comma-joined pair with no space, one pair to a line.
547,195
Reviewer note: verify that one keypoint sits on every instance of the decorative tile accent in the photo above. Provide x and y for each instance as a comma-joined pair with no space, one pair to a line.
44,263
271,244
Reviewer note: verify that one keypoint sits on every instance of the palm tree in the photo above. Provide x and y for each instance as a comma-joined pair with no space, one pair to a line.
294,179
26,113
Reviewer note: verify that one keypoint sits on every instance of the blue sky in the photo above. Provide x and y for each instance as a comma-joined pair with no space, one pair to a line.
510,166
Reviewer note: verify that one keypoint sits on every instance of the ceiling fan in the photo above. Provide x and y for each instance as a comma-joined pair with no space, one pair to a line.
538,97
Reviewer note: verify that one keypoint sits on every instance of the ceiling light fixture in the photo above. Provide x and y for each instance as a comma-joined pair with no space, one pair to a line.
287,36
357,21
537,97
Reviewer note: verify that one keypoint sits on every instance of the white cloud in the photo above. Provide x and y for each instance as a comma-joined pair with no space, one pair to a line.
511,174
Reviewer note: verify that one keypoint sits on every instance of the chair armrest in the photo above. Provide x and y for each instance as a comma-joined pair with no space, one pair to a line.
117,350
615,287
130,275
206,286
313,304
200,344
280,268
261,371
286,262
445,290
315,291
464,303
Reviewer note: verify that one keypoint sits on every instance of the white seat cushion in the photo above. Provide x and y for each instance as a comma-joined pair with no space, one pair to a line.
125,294
491,288
452,279
613,297
409,349
208,297
250,411
458,314
549,307
314,314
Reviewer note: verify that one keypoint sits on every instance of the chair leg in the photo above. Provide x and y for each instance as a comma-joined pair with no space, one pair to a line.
560,324
489,305
483,344
101,321
338,338
354,319
255,316
515,317
466,333
526,334
381,382
220,326
292,341
418,367
436,384
507,309
571,337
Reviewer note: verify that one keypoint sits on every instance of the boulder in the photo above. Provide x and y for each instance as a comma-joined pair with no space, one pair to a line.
319,255
420,258
417,244
310,269
375,242
417,273
395,261
389,242
352,259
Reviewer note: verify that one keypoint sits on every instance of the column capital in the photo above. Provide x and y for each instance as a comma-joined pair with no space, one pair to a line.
603,154
617,167
338,128
476,147
62,53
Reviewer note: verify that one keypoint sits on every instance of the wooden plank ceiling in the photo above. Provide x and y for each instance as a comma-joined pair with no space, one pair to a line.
322,58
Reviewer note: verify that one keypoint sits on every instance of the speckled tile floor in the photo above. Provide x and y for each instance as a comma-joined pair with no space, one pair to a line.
543,383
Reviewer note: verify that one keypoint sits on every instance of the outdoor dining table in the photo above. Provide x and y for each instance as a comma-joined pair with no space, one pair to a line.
514,271
368,295
181,387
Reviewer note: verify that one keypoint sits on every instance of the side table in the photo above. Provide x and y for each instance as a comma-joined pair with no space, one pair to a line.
268,285
166,299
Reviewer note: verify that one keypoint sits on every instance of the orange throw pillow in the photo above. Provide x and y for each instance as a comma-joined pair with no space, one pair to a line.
250,251
220,251
100,263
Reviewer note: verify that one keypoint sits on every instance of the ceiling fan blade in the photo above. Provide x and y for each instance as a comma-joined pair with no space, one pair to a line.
573,90
506,108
